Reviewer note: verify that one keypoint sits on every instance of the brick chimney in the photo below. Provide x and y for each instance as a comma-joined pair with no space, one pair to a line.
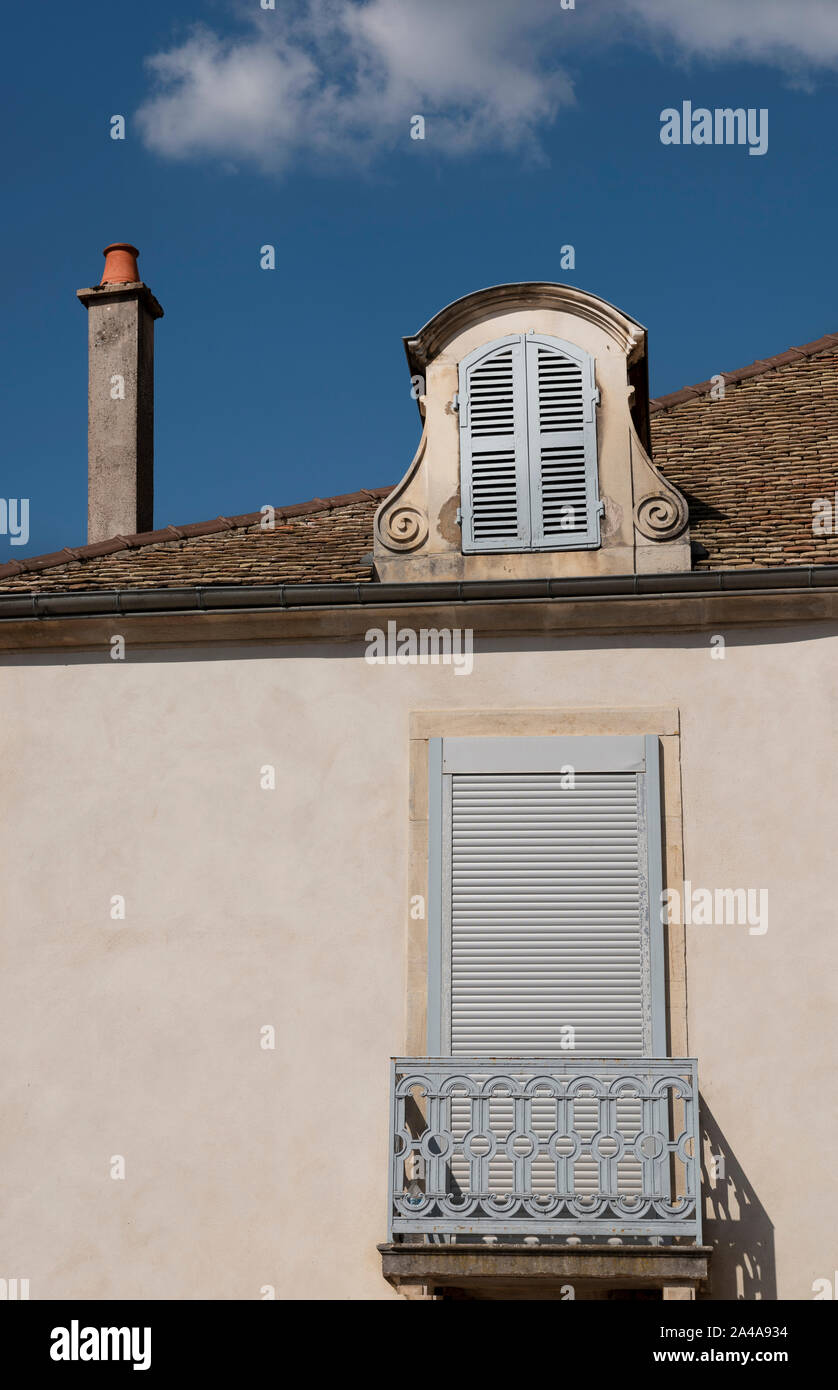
120,399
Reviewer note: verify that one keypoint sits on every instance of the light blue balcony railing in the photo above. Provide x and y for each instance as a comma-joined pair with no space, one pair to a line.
544,1146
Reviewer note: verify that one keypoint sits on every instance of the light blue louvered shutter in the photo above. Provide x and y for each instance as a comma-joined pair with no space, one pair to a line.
494,466
562,445
546,909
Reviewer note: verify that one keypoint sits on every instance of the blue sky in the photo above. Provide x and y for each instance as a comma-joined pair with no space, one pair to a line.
292,127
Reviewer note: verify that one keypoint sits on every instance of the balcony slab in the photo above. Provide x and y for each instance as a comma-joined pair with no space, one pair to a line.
541,1271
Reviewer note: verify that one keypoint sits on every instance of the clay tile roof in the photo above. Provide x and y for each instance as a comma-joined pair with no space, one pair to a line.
326,540
750,465
765,364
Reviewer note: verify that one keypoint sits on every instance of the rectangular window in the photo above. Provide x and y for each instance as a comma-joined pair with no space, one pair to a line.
528,450
544,897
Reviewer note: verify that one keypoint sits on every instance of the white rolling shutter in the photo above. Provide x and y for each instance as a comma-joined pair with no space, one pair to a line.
543,902
546,914
493,433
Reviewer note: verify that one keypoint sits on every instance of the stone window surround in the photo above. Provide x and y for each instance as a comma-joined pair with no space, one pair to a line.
663,721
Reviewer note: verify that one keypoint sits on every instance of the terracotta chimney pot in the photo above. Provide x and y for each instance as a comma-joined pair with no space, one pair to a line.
120,264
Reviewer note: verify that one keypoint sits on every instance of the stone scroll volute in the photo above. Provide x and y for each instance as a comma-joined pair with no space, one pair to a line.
401,522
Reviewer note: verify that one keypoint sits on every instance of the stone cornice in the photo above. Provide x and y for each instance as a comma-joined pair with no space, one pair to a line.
223,616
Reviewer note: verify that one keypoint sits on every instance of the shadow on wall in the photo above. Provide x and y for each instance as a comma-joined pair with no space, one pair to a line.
735,1222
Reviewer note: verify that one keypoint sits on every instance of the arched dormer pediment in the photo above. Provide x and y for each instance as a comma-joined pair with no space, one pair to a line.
534,458
484,305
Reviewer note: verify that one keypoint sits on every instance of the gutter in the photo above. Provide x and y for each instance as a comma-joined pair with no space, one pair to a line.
216,598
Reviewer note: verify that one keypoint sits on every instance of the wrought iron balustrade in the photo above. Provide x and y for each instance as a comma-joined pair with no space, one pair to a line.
582,1146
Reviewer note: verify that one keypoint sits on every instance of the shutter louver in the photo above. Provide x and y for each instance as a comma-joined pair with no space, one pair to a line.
495,501
562,446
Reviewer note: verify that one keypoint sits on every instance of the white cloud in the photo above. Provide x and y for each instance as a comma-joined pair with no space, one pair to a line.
343,79
338,80
235,100
788,34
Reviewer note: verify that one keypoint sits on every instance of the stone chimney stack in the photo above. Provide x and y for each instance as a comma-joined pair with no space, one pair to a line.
120,400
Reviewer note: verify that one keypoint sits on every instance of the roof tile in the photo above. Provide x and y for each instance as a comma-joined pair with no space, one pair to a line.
753,463
320,541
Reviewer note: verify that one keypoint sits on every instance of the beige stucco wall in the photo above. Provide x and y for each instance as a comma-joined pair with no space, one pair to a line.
246,907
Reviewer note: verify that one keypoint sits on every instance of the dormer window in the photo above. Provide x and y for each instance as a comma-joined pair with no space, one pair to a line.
534,403
528,449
